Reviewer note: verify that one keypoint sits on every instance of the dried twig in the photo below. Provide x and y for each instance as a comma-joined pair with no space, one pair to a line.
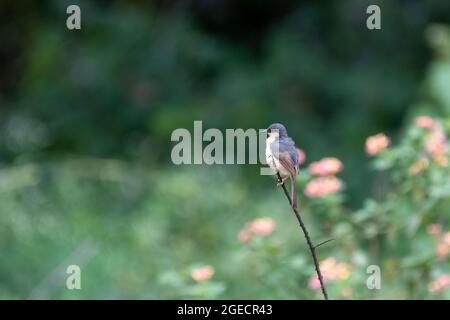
312,248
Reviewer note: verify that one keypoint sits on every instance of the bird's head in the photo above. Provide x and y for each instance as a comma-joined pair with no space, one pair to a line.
276,130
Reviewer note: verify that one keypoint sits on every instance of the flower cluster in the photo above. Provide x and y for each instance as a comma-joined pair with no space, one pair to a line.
436,140
331,271
425,122
326,183
377,143
202,274
418,166
440,284
443,246
322,186
326,166
442,240
259,227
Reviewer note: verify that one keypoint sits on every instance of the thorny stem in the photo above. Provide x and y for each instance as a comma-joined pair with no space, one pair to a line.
312,248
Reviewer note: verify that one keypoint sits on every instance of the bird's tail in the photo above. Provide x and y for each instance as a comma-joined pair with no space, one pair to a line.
294,192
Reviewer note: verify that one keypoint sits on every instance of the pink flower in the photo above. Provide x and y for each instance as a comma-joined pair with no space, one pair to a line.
424,122
436,146
446,238
261,227
434,229
322,186
440,284
443,246
301,156
377,143
244,236
326,166
202,274
436,143
442,251
314,283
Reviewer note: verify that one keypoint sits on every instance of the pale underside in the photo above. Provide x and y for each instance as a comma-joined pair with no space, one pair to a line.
272,160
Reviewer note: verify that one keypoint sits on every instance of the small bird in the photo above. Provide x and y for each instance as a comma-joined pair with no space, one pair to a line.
282,156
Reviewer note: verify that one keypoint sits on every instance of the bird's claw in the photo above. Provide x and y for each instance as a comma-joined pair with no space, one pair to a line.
280,182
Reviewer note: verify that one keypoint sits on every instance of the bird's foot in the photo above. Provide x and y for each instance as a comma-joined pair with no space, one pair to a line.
280,182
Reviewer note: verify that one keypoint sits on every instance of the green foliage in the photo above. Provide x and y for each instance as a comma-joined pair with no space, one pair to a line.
150,230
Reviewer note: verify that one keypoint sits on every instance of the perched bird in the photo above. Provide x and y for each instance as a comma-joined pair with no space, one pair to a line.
282,156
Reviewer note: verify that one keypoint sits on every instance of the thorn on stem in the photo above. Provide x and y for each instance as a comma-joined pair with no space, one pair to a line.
323,242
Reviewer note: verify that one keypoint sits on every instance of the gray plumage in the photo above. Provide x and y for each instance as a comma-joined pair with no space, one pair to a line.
282,156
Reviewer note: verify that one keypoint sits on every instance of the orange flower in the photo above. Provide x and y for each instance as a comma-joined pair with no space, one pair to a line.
325,166
441,159
202,274
377,143
328,264
424,122
346,292
322,186
418,166
331,271
342,271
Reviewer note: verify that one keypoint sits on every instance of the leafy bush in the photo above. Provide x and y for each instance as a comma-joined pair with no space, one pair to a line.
140,233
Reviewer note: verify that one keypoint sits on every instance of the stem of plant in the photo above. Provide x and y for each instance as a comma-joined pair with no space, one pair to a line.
312,248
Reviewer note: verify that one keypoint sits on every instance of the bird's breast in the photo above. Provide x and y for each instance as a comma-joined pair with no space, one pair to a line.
272,160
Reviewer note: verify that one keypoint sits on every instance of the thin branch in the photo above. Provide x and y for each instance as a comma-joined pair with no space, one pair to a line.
323,242
308,240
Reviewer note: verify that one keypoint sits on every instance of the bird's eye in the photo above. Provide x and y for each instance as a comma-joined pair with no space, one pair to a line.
269,130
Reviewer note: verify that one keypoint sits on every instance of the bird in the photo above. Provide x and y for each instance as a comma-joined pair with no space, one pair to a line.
282,156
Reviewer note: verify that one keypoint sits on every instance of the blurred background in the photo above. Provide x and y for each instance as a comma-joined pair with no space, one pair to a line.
86,176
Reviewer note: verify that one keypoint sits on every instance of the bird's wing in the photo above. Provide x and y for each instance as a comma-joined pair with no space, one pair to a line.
288,163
